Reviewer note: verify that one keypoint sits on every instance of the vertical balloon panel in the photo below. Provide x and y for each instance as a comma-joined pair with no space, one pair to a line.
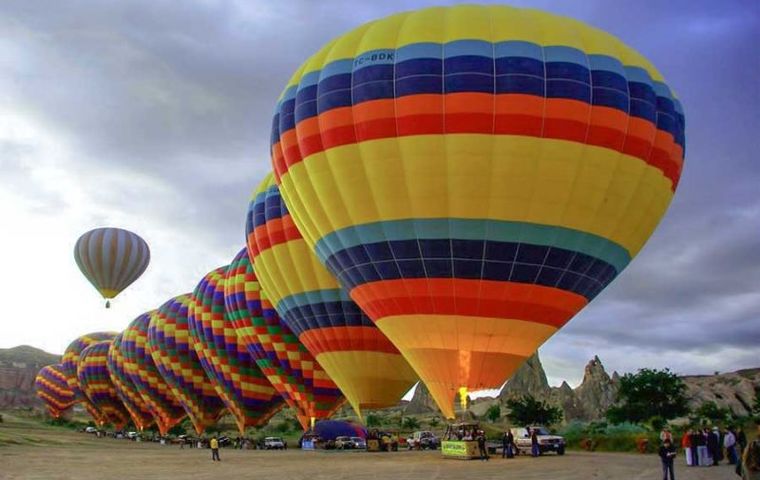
125,389
172,350
474,176
359,358
139,366
69,363
95,382
285,361
242,386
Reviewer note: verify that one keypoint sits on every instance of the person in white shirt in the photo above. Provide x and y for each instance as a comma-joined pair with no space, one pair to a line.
729,441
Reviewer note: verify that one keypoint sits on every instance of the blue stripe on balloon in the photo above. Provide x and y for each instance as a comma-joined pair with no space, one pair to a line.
474,229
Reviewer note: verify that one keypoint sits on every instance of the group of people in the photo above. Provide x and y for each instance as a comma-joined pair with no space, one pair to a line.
706,447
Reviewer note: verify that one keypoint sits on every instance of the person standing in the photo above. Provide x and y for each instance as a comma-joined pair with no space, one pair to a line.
215,450
534,449
481,438
741,439
694,441
713,445
507,443
667,455
686,445
729,442
665,434
750,461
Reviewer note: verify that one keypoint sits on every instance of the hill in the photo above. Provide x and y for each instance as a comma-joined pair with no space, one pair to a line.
18,367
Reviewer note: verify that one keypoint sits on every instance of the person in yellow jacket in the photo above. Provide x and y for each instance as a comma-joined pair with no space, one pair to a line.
215,450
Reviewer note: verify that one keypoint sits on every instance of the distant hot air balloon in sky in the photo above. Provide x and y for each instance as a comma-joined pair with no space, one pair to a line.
286,362
139,366
111,259
174,355
474,176
141,415
359,358
239,382
53,389
69,363
95,383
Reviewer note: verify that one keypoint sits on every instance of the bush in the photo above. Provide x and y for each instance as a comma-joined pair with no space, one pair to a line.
608,438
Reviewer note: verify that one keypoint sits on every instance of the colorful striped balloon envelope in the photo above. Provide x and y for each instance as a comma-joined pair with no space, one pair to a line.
95,382
111,259
285,361
474,176
139,366
242,386
69,362
359,358
174,355
125,388
52,388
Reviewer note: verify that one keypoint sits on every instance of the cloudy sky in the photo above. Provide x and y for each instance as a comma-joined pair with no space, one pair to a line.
154,116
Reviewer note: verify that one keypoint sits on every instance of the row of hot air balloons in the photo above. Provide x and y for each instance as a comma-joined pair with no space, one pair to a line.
450,187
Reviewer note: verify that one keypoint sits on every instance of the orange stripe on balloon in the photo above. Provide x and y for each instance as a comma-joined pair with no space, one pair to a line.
503,114
467,297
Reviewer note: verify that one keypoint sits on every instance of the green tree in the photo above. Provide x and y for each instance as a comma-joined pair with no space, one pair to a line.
493,413
711,411
649,393
529,411
434,422
410,423
373,420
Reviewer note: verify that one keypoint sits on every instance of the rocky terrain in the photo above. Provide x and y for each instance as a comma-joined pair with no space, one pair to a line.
596,393
589,401
18,367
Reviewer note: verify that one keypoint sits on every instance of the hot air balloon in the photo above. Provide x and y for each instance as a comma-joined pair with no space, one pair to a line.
111,259
95,383
69,364
125,389
52,388
239,382
288,365
139,366
474,176
173,353
364,364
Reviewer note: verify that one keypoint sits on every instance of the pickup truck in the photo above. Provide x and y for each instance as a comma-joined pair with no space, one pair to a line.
273,443
546,441
423,440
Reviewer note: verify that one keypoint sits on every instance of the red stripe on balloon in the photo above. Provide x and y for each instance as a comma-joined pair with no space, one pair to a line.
345,339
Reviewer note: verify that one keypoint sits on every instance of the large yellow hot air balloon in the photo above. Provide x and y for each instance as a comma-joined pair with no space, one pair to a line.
111,259
474,176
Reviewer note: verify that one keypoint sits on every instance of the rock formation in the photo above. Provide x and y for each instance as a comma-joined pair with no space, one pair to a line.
18,367
597,392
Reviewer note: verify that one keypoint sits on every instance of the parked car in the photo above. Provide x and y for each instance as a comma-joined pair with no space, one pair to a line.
546,441
132,435
274,443
344,443
423,440
91,430
359,443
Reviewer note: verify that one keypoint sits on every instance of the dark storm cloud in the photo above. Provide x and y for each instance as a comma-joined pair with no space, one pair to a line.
181,94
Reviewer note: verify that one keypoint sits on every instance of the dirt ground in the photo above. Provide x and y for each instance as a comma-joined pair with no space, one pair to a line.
30,452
